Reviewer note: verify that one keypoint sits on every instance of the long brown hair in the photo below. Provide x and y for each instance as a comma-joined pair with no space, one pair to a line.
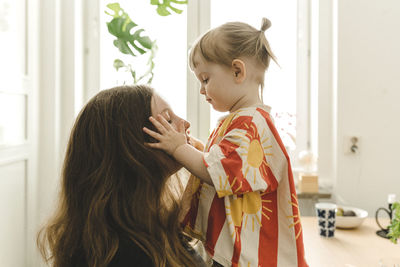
113,185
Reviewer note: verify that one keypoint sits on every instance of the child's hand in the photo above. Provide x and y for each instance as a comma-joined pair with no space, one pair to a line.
196,143
169,138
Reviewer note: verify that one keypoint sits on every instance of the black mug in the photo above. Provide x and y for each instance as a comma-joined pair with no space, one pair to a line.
384,231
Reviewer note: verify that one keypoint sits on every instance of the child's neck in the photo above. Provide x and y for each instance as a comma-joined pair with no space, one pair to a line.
245,104
250,98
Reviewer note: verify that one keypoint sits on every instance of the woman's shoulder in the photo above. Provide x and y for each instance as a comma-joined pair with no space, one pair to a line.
130,254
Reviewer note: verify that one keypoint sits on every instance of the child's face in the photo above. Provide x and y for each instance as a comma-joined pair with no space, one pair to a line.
217,84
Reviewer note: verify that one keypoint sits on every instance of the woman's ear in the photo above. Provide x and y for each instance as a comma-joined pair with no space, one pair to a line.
239,70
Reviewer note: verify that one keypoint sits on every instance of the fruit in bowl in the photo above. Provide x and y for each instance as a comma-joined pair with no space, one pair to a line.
350,217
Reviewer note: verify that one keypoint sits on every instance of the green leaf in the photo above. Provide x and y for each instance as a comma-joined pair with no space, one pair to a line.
121,29
120,26
144,41
162,8
123,47
179,2
114,6
118,64
133,73
178,11
162,11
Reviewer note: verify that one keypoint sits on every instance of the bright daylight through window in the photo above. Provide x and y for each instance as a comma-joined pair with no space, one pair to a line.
170,33
280,81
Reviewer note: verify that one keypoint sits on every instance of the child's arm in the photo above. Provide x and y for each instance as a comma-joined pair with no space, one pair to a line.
196,143
175,143
192,159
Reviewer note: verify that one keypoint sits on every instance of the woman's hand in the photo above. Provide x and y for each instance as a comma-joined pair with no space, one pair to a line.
168,138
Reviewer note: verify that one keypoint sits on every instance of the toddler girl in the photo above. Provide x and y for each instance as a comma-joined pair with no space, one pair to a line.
244,205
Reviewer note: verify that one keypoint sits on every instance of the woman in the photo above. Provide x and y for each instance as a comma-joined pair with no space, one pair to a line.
117,206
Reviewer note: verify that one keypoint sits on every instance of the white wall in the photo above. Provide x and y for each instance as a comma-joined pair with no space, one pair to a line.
367,101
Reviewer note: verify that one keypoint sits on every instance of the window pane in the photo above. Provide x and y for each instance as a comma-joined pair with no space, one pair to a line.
171,58
12,118
280,82
12,38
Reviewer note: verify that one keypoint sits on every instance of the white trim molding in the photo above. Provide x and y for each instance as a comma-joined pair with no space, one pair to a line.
56,95
303,98
91,48
198,110
327,142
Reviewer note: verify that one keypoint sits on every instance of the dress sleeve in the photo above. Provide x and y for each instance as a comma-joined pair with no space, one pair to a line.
241,161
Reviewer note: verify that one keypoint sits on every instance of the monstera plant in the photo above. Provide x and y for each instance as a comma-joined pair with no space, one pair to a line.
128,34
162,8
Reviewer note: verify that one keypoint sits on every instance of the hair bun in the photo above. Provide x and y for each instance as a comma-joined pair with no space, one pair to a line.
265,24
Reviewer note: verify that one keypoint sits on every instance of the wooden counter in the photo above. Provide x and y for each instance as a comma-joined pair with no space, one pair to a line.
359,247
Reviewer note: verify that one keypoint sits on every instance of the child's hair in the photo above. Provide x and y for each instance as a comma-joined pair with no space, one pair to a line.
233,40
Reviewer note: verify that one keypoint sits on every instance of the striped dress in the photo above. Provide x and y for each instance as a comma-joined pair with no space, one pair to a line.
250,217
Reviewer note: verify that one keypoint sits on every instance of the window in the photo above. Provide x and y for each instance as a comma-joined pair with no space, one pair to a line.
281,87
286,86
170,61
13,90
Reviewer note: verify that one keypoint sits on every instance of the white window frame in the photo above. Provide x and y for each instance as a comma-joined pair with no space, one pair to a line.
26,151
324,86
91,48
199,111
303,83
